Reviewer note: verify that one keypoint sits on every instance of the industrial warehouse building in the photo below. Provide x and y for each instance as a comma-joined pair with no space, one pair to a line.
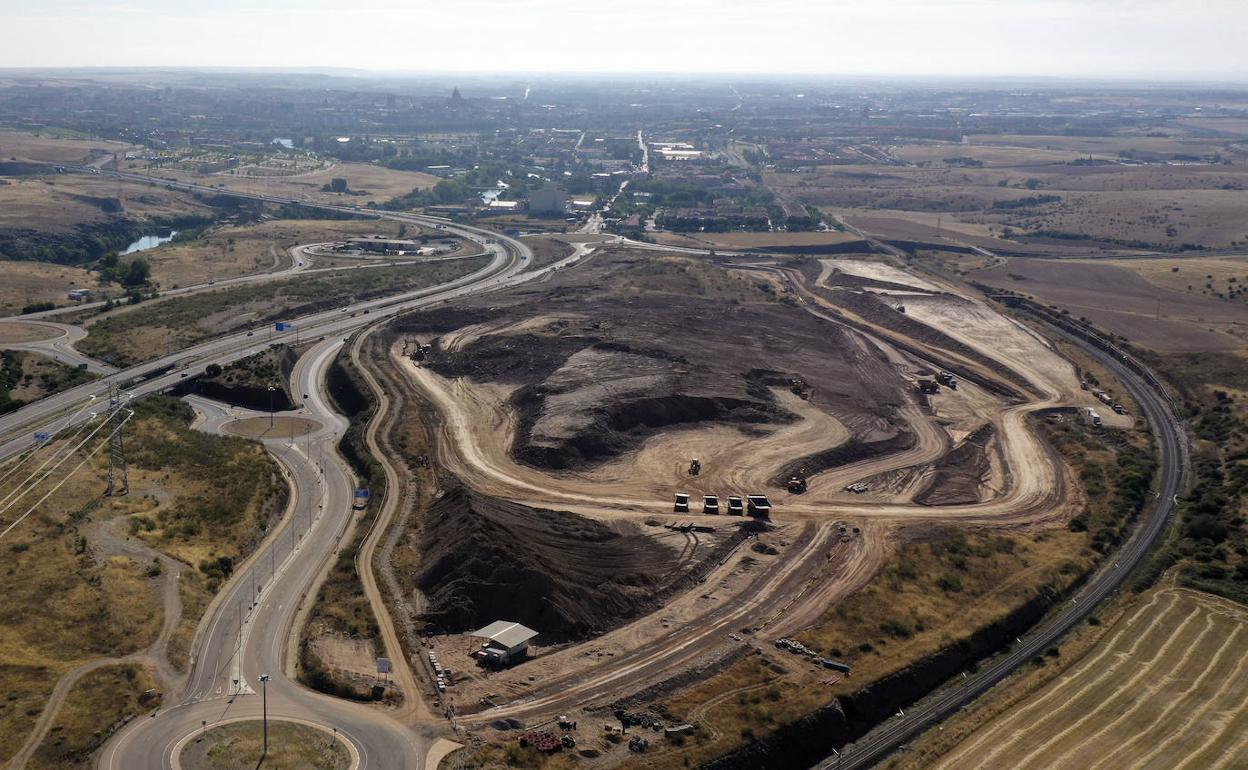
548,200
508,643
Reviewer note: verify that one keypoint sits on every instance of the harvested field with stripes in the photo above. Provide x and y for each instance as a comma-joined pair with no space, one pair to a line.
1165,688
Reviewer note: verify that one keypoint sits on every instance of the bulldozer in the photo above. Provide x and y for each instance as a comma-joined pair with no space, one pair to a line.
797,484
695,467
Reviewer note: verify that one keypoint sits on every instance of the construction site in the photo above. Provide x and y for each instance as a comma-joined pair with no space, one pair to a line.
670,472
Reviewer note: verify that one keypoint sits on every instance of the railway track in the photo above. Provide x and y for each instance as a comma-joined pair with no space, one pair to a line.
1156,405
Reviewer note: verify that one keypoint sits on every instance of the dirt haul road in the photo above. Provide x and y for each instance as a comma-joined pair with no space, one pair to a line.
776,595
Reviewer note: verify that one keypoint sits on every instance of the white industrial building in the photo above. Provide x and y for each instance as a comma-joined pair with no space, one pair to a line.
548,200
508,642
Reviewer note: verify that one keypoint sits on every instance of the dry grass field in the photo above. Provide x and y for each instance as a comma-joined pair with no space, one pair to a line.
1188,274
1119,300
237,746
233,251
744,240
141,332
80,586
1099,194
54,147
22,283
1177,143
989,155
1164,689
55,204
378,182
99,701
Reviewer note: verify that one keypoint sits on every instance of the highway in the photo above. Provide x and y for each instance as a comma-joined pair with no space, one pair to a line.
510,256
250,626
1172,468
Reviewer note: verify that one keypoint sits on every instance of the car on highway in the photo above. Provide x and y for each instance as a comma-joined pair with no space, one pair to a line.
736,506
710,503
682,503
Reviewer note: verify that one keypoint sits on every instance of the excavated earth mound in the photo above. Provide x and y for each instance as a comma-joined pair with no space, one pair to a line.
592,388
564,575
960,473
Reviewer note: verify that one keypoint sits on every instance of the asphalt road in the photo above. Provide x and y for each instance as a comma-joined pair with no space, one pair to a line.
1172,467
509,258
248,630
59,345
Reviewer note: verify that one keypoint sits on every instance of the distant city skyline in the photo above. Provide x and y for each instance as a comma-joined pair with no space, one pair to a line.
1098,39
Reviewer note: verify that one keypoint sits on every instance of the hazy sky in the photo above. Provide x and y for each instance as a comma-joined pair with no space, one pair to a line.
1169,39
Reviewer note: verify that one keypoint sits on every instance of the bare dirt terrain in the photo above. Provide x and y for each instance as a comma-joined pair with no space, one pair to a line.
605,572
1164,689
590,394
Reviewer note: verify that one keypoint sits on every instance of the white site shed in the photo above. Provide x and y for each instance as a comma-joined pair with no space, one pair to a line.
508,641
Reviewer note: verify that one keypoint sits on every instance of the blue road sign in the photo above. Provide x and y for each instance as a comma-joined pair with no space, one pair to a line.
362,493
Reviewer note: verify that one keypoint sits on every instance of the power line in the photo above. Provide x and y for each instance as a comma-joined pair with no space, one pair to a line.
22,489
46,442
116,450
61,483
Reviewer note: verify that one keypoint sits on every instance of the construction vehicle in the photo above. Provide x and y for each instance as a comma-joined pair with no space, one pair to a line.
928,386
857,488
695,467
798,388
736,506
797,484
710,504
758,506
682,503
947,379
1094,418
421,352
1119,408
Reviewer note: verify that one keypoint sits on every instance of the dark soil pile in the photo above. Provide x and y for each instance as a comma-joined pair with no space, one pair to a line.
959,472
635,365
849,452
563,575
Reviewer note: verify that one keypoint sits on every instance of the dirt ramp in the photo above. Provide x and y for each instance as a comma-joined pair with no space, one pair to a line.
960,473
567,576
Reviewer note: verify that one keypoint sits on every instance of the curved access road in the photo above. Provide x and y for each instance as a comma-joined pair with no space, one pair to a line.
509,258
58,345
1172,468
249,627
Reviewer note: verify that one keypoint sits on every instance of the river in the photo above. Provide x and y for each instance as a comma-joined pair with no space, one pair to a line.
149,242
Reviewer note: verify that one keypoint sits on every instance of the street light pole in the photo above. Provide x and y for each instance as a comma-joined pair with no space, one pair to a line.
264,690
